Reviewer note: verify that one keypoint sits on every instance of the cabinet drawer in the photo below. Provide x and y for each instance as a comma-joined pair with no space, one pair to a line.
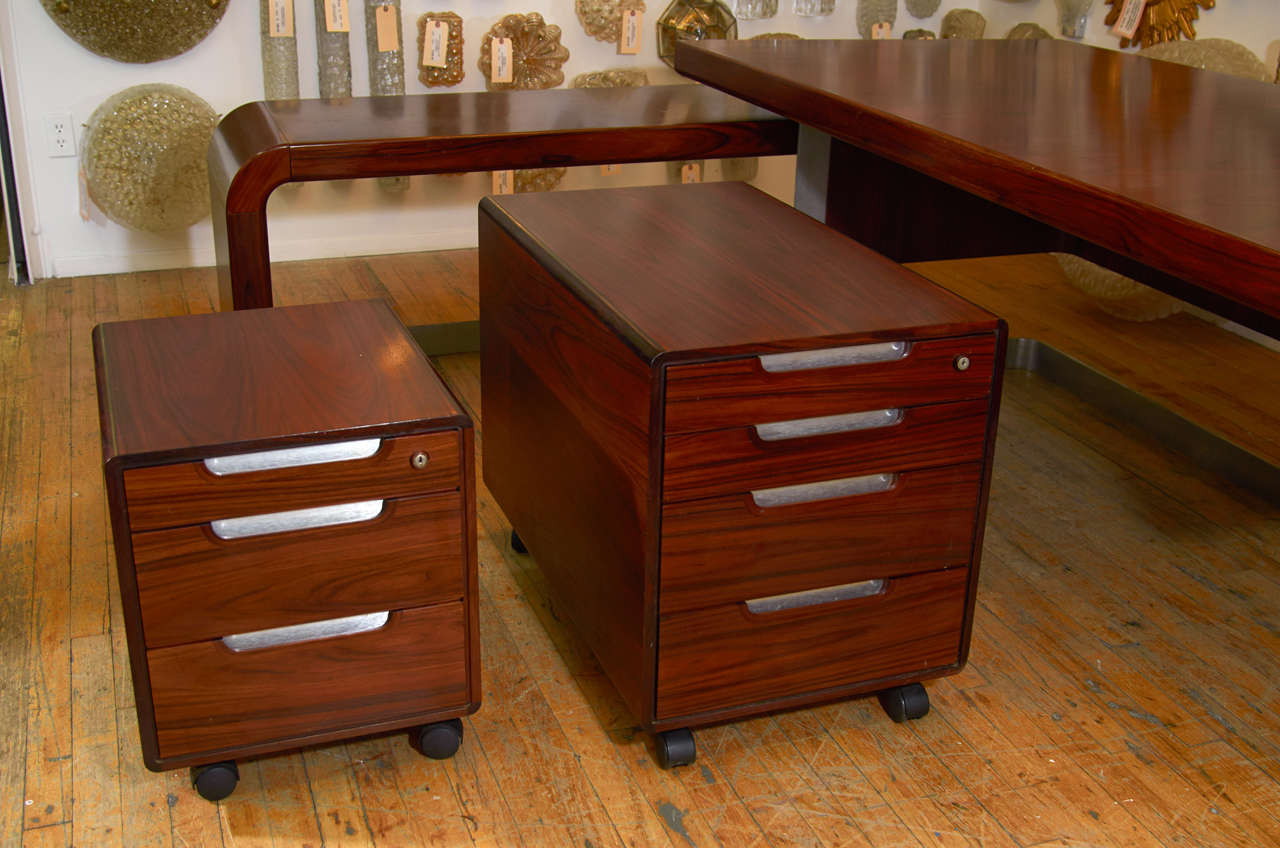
721,550
726,656
191,493
735,461
739,392
207,697
193,585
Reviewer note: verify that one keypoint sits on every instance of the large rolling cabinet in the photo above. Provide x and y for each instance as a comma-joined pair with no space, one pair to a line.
293,507
750,455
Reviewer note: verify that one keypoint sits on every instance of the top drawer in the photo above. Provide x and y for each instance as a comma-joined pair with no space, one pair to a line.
743,391
191,493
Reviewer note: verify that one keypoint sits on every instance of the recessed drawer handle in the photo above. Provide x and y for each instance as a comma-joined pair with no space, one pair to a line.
242,463
256,640
813,597
827,424
295,519
832,357
824,490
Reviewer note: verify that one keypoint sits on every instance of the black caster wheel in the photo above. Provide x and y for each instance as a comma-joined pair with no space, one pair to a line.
517,545
215,781
439,741
905,702
675,748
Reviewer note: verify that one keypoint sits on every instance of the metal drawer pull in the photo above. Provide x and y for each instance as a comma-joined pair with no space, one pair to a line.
242,463
831,357
295,519
824,490
813,597
827,424
294,634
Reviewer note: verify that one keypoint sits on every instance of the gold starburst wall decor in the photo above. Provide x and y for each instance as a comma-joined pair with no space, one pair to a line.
1162,20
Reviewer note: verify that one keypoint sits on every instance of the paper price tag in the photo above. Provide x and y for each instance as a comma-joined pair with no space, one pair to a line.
280,19
336,18
629,43
388,24
504,182
437,53
691,173
500,60
881,30
610,170
1130,16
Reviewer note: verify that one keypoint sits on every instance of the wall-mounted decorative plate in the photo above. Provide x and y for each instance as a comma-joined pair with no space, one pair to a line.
536,53
452,71
602,19
144,157
136,31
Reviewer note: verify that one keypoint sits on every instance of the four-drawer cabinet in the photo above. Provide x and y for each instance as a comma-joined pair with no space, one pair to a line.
750,455
293,507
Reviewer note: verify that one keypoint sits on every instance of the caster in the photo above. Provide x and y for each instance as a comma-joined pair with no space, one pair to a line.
517,544
675,748
440,740
905,702
215,781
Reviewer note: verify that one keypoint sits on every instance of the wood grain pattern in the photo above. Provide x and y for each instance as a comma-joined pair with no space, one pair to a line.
1117,577
259,146
767,278
568,452
724,656
738,392
1046,128
925,522
194,586
188,493
208,698
178,387
720,462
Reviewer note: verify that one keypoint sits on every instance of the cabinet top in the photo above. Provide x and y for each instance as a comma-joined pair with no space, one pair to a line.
721,268
262,377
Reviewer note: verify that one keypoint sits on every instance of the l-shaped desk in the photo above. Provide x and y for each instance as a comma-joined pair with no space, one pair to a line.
921,150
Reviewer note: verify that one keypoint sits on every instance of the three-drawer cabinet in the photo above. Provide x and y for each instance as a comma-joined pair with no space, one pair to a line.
750,455
293,509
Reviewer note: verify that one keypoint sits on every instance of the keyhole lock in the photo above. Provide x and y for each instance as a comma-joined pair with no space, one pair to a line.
419,460
962,363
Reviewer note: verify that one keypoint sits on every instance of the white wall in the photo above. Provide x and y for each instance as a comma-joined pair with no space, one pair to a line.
45,71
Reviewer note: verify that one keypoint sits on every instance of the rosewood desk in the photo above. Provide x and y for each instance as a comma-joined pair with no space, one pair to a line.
260,146
948,149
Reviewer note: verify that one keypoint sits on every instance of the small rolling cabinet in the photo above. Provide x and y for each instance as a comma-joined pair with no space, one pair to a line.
750,455
293,507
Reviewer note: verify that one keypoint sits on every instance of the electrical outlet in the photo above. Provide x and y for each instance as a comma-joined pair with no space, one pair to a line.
59,134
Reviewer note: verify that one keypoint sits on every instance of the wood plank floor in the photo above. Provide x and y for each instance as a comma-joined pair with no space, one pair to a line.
1122,688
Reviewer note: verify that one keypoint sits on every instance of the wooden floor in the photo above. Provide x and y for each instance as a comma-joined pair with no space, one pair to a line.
1122,688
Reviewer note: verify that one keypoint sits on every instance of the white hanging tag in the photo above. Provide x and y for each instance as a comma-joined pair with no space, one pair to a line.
500,60
504,182
1130,16
336,18
629,43
437,53
280,19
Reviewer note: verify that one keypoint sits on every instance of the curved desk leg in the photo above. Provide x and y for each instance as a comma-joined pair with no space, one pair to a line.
244,263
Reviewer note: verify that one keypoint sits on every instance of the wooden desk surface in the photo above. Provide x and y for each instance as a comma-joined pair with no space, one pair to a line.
260,146
1176,168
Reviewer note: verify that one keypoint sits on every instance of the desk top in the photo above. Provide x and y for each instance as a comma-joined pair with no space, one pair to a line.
1174,167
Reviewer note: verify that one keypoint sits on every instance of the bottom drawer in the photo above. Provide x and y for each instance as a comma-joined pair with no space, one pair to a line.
208,697
727,656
